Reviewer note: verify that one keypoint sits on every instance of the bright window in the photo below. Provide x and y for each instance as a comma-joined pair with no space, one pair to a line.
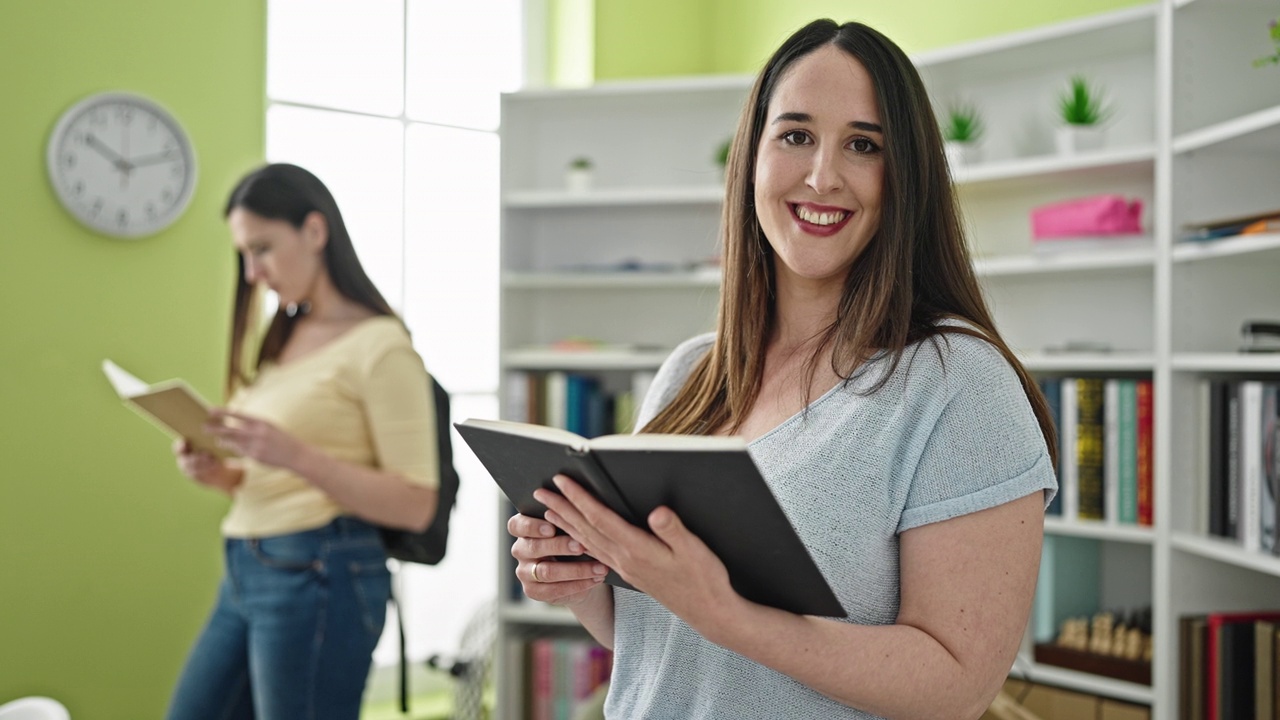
401,123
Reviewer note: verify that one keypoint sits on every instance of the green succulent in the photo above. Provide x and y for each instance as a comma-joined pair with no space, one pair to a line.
964,123
1083,104
580,163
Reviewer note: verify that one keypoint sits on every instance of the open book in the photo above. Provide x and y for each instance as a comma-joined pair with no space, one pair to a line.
710,482
172,405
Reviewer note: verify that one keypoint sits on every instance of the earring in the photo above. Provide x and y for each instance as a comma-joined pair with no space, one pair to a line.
294,310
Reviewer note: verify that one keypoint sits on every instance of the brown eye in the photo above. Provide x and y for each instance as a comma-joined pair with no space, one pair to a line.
863,145
795,137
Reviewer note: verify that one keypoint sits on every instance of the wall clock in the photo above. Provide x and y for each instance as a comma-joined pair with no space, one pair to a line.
121,165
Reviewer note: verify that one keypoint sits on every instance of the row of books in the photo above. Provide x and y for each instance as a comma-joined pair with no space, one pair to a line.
590,405
561,674
1104,448
1229,666
1240,461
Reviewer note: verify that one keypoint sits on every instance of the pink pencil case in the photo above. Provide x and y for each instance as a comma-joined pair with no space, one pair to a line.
1094,215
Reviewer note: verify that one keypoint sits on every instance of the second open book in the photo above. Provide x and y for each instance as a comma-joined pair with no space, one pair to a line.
710,482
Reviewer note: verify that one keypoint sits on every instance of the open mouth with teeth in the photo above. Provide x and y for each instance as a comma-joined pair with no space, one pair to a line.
821,222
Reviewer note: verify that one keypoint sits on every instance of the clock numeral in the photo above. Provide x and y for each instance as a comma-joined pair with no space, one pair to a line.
96,207
151,210
125,114
122,219
69,160
78,188
166,195
176,171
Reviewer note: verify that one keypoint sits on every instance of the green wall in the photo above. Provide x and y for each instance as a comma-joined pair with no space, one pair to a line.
108,557
698,37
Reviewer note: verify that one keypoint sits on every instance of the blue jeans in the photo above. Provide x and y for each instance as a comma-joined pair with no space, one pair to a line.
292,634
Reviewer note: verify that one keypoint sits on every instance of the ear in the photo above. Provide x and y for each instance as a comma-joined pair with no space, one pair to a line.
315,231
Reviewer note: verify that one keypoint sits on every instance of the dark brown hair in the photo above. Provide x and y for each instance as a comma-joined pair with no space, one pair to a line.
290,193
913,274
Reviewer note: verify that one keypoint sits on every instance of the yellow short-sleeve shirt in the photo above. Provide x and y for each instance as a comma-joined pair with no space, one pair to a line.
364,398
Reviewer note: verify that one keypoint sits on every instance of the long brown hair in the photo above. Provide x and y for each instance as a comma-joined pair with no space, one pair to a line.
290,193
913,274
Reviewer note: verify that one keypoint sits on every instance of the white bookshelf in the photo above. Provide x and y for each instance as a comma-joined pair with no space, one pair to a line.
1196,136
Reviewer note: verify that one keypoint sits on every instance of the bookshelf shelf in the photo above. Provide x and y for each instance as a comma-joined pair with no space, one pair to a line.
1257,129
1085,682
1189,252
1090,362
536,359
1226,551
616,196
610,280
1100,531
531,613
1065,262
1023,168
1227,362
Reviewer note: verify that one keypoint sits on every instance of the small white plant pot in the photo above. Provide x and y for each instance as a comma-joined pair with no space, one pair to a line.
578,179
1072,139
960,154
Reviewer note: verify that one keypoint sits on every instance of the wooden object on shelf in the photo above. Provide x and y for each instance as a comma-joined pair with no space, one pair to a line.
1134,671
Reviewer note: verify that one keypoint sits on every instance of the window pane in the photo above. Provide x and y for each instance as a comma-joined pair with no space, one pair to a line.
451,254
361,160
461,56
337,53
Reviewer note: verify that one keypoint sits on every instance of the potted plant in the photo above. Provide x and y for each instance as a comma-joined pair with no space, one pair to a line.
961,132
1082,109
578,174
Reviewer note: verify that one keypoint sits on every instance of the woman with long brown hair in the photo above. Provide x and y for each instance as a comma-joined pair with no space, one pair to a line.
331,430
856,355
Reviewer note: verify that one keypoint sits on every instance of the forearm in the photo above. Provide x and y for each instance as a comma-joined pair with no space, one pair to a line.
596,614
895,671
374,495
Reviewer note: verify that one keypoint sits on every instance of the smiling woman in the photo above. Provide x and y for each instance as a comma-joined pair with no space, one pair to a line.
855,353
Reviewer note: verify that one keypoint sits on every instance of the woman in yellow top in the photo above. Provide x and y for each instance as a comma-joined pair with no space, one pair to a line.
332,433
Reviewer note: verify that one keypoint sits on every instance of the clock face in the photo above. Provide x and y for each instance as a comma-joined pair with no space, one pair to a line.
121,165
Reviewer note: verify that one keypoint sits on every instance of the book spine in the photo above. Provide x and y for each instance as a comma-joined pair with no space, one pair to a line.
1090,447
1111,451
1232,527
1069,481
1202,469
1269,464
1250,518
1218,408
1052,389
1146,453
1127,451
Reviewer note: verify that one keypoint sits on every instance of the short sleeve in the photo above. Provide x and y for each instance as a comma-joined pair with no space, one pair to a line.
671,376
986,447
400,407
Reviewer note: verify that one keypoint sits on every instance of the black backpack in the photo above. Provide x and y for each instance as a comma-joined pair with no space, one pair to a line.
427,547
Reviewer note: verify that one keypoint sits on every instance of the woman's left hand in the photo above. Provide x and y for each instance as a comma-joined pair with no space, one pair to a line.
672,565
253,438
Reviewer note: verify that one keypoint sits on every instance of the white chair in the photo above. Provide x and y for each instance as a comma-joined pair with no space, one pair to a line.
34,708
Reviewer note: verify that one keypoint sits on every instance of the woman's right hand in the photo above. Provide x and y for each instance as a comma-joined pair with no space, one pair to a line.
543,577
205,468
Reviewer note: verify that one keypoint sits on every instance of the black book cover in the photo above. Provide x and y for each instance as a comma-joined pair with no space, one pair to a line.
710,482
1218,459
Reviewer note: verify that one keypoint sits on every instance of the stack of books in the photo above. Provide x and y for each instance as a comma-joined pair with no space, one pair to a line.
1267,222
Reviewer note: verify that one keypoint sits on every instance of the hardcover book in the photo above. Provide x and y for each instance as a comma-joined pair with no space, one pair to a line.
710,482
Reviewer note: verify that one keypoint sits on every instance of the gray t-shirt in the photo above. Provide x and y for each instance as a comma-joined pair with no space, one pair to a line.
950,433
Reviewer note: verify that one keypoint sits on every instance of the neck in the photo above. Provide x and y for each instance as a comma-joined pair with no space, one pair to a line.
803,310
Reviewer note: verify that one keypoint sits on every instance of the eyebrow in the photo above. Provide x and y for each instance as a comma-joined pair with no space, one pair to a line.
806,117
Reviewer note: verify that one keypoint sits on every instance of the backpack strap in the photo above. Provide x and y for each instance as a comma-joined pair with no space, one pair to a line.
404,663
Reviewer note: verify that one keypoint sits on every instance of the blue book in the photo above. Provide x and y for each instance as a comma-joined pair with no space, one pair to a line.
1052,389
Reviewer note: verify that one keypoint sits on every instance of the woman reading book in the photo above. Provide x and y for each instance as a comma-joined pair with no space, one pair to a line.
334,433
855,353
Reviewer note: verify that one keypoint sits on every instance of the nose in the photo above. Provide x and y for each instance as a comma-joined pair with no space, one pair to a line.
824,171
252,272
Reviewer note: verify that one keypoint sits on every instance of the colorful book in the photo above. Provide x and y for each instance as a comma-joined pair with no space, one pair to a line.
1091,447
1146,452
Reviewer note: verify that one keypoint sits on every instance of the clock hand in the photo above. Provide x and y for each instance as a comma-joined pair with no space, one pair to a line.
154,158
111,155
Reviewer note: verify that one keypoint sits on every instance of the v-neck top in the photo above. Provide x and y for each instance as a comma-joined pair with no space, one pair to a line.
364,397
951,432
